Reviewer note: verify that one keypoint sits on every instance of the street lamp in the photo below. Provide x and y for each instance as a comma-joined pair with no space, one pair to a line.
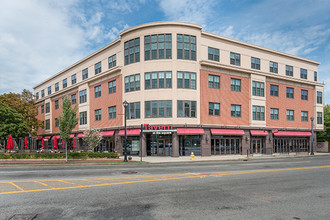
125,103
312,150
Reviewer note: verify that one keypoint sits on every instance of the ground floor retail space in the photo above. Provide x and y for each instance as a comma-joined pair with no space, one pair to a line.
201,141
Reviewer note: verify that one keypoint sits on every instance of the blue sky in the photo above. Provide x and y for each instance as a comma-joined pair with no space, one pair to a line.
40,38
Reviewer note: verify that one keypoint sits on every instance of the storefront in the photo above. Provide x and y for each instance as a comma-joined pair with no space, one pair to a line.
190,141
158,139
225,141
258,141
287,141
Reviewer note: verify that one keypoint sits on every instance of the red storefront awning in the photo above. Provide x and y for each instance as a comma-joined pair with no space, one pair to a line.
58,136
39,137
131,132
109,133
80,135
226,132
293,133
258,133
47,137
71,135
190,131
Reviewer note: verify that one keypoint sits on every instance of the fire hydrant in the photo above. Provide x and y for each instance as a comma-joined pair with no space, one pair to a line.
192,156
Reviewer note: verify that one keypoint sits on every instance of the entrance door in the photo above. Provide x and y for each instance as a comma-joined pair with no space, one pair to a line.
257,146
160,145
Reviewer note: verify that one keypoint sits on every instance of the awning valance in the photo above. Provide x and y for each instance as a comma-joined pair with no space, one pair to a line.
190,131
80,135
131,132
226,132
47,137
71,135
108,133
293,133
258,133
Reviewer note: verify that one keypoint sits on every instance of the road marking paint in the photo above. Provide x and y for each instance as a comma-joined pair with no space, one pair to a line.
160,178
16,186
44,184
63,181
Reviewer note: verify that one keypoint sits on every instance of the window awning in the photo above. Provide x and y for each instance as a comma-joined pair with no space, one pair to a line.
190,131
293,133
71,135
226,132
80,135
258,133
131,132
58,136
109,133
47,137
39,137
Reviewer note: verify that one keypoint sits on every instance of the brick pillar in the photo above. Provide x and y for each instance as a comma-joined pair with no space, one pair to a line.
144,145
175,145
206,143
118,144
269,143
246,140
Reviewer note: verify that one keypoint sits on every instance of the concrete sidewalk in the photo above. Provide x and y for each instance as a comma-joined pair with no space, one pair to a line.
159,159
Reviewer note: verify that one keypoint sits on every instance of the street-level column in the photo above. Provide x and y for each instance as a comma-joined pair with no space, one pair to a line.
118,144
206,143
144,145
175,145
246,142
269,143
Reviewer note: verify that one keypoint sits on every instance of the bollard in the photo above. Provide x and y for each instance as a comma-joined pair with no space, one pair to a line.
192,156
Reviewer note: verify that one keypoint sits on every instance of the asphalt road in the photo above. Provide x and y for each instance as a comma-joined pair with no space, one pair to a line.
293,188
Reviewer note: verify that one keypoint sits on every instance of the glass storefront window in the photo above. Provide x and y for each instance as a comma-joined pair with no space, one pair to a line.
133,145
225,145
190,144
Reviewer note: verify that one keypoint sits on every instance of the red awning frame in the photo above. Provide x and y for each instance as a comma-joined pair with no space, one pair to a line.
108,133
190,131
258,133
130,132
293,133
227,132
80,135
47,137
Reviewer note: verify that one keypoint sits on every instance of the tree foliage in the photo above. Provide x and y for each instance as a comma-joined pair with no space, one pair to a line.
24,104
68,119
325,135
11,122
92,137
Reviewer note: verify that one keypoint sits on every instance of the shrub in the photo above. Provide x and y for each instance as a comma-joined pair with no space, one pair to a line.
71,155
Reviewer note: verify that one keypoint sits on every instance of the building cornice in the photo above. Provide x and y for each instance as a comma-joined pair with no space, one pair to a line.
258,47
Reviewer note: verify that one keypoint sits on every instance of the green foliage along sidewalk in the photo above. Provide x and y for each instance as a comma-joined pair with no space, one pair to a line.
72,155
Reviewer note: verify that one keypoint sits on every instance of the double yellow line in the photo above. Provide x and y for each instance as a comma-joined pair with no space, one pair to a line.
144,180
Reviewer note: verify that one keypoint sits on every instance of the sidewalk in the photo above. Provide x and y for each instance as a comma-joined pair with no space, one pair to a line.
157,159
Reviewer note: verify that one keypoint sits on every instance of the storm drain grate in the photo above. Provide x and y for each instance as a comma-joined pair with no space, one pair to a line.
129,172
23,217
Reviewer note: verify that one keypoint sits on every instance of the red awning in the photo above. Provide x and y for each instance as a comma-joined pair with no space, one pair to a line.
292,133
109,133
58,136
39,137
226,132
47,137
259,133
190,131
80,135
71,135
131,132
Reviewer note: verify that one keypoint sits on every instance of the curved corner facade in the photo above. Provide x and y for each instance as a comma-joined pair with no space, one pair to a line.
190,91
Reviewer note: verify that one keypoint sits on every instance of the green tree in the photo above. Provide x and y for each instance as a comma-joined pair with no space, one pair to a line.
325,135
11,122
92,137
68,120
23,104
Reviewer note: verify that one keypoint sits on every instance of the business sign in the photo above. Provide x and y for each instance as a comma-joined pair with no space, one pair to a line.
148,127
275,130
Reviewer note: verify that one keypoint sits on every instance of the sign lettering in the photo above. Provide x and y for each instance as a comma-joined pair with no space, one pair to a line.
148,127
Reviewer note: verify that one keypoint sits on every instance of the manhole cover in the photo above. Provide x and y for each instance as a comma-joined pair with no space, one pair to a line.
129,172
23,217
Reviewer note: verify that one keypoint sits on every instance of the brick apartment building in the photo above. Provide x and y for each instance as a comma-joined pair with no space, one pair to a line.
192,91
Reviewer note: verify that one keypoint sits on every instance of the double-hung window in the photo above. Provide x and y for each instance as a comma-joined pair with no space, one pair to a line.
235,84
42,109
304,94
83,118
235,59
258,88
132,83
235,111
158,109
133,110
85,74
83,96
186,80
315,76
187,109
112,61
255,63
57,86
132,51
112,86
289,70
290,92
290,115
213,54
47,124
98,68
73,79
304,116
74,99
274,114
319,118
157,80
49,90
42,93
112,112
319,98
98,115
37,95
65,83
57,124
214,109
303,73
186,47
273,67
214,81
47,107
97,90
273,90
258,113
56,104
158,46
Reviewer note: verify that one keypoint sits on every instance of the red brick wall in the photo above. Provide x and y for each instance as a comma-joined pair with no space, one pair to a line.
105,101
225,97
283,103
